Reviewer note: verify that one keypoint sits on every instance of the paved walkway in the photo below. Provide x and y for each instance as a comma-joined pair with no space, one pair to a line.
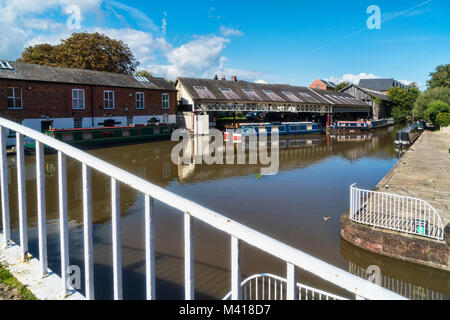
424,172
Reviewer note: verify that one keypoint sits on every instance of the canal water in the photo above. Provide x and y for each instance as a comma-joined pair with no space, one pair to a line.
301,206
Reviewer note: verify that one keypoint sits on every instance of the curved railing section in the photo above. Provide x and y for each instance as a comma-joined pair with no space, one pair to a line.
395,212
266,286
238,233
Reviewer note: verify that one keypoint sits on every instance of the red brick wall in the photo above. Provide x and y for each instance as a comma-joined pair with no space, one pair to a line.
319,83
55,99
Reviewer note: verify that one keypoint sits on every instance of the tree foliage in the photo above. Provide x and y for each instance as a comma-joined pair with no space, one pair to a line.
443,119
440,77
434,109
424,100
341,86
85,51
144,73
403,102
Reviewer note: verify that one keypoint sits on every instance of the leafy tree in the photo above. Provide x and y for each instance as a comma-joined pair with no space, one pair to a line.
434,109
40,52
440,77
85,51
443,119
144,73
403,102
424,100
341,86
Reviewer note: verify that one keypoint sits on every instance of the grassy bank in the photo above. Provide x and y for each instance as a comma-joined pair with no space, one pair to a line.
11,289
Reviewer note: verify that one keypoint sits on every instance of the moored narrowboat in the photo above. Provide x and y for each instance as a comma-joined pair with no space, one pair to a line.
85,138
349,126
407,136
282,128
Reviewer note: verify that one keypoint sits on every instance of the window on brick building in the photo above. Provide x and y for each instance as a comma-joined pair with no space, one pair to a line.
78,99
14,98
108,98
165,101
139,100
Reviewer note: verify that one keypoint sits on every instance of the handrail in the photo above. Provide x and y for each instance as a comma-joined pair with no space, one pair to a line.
406,214
236,230
283,280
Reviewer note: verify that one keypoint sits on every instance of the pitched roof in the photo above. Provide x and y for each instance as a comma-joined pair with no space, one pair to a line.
243,91
380,95
329,84
381,84
35,72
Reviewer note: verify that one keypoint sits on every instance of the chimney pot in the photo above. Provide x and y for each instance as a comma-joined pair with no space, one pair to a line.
224,78
216,77
234,78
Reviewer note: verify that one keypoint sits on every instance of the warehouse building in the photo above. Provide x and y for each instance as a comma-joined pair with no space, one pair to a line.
43,97
217,97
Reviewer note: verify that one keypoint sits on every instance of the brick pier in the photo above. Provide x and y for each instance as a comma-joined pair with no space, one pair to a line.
423,172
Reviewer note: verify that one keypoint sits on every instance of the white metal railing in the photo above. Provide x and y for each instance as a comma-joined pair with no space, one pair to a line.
395,212
267,286
238,233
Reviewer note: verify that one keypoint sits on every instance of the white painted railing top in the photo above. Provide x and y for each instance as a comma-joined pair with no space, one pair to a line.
395,212
238,232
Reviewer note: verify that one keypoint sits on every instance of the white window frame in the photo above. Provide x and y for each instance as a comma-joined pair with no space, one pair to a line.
107,102
138,101
76,101
15,98
165,100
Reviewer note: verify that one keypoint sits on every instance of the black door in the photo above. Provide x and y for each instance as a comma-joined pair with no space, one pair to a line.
46,125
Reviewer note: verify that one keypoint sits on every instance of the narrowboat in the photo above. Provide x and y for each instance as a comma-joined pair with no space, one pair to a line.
283,128
349,127
407,136
375,124
85,138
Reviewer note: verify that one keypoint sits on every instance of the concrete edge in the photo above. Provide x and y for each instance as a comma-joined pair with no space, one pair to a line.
29,273
396,245
384,181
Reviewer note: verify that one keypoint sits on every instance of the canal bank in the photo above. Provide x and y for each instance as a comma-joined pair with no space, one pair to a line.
423,172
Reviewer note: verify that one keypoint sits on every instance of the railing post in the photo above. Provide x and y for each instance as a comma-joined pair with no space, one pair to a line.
63,220
87,233
41,209
236,291
150,248
4,188
117,250
291,288
22,199
188,258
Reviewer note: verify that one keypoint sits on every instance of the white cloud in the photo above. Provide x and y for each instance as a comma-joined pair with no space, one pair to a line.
30,22
261,81
227,32
352,78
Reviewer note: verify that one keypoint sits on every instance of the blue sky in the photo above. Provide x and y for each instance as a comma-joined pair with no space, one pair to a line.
276,41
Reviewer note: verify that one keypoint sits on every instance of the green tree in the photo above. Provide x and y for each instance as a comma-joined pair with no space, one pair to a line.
144,73
424,100
434,109
341,86
403,102
443,119
85,51
440,77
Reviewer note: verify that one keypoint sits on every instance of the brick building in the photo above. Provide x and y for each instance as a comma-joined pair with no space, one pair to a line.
40,97
323,85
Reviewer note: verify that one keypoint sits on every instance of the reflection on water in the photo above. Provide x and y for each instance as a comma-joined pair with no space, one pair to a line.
312,183
419,283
